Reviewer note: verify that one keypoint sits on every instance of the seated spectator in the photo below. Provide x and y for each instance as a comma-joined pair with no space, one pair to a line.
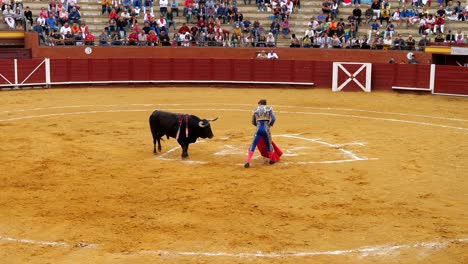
450,37
126,16
272,55
384,16
219,38
43,12
163,7
248,40
275,28
295,42
133,38
364,42
74,16
65,29
113,15
164,39
335,41
399,43
374,28
137,6
262,55
221,12
387,43
57,39
116,38
307,42
376,43
133,17
413,60
390,29
175,7
375,9
285,27
413,16
121,26
340,32
20,20
410,43
183,29
459,33
78,38
152,38
170,20
351,33
235,40
236,31
9,17
28,16
126,4
69,39
368,14
148,5
261,41
321,18
148,16
270,41
423,43
89,38
439,24
246,25
439,37
103,38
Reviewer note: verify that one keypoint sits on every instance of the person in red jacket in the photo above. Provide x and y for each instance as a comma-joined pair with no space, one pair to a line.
133,38
89,38
184,28
187,5
152,38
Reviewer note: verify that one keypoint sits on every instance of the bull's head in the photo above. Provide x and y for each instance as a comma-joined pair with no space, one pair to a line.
206,128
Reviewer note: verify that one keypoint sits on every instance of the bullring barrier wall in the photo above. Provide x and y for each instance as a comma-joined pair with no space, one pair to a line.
36,72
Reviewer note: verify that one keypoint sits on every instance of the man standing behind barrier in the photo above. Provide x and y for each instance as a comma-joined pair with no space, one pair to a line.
263,118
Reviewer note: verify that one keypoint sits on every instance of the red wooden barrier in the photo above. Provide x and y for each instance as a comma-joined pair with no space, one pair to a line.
448,79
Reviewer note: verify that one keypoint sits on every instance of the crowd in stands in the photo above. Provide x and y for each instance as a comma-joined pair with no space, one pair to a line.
365,29
214,23
222,23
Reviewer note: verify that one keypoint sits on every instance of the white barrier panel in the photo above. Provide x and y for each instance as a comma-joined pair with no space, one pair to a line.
42,68
340,68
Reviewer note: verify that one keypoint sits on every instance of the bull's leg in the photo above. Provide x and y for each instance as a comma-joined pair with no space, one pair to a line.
159,145
154,145
184,150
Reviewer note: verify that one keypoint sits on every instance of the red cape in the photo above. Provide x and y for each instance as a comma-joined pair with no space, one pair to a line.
264,150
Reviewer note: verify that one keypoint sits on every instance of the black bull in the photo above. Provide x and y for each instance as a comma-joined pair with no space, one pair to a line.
183,127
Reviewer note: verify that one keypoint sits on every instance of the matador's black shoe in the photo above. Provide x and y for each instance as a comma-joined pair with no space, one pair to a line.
247,165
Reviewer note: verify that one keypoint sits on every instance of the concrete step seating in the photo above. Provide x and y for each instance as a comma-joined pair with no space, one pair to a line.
91,13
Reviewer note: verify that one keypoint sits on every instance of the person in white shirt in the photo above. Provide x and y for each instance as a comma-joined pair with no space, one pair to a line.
272,55
65,29
163,7
309,32
8,16
290,6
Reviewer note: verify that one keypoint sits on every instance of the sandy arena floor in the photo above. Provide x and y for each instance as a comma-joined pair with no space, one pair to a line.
366,178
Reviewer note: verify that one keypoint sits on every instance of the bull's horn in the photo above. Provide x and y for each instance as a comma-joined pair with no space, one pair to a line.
203,125
212,120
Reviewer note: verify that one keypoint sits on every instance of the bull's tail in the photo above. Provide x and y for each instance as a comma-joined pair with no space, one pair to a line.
154,124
